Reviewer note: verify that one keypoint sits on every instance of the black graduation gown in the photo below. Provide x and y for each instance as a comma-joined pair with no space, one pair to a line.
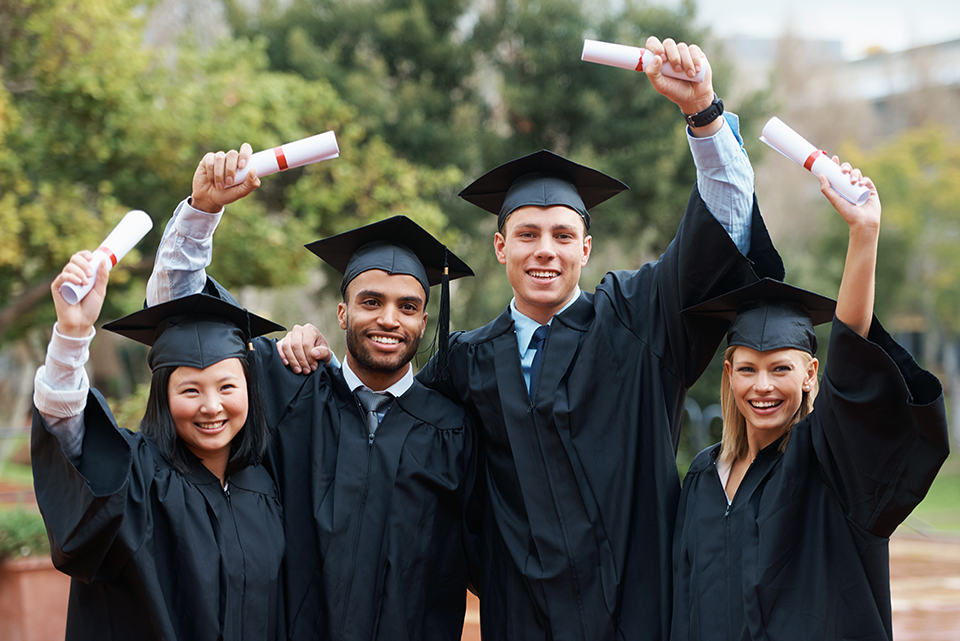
155,554
581,484
374,544
802,552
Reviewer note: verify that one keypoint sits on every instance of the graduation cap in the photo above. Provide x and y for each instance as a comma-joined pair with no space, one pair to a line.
542,179
397,246
770,314
194,331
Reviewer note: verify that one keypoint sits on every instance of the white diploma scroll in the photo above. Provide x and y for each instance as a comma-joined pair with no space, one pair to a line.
293,154
121,240
795,147
626,57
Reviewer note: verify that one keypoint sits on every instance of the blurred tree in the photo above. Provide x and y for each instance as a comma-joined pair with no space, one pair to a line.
407,66
918,176
93,123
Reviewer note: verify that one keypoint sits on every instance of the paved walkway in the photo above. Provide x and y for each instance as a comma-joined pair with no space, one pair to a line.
925,587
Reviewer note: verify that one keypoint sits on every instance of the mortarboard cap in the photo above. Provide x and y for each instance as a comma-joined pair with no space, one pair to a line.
770,314
397,245
194,331
542,179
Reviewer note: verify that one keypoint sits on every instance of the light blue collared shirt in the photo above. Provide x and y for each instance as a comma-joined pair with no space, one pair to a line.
525,326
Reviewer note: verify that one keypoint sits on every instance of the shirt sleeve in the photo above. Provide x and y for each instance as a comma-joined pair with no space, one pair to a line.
185,252
60,390
725,179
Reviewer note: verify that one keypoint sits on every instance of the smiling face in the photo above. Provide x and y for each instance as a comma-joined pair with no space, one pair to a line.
768,388
544,249
209,408
384,316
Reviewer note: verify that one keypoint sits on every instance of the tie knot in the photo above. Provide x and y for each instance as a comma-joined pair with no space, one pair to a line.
371,401
539,335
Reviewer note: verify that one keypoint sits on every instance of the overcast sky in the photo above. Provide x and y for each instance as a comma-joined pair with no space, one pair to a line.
893,25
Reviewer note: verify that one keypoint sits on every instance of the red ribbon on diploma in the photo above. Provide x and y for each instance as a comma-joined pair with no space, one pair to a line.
640,63
110,255
808,163
281,159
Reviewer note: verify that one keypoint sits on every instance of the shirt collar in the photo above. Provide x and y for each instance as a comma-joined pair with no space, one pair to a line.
397,389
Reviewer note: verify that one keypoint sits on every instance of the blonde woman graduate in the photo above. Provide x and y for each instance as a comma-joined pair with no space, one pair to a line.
782,531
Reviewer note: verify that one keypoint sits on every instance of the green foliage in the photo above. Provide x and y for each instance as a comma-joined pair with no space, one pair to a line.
94,122
918,177
401,63
22,533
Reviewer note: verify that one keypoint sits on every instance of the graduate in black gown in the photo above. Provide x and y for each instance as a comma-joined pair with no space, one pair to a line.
579,482
783,527
373,511
175,531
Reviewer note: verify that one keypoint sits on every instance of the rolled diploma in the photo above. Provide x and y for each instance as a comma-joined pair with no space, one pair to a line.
626,57
778,135
293,154
121,240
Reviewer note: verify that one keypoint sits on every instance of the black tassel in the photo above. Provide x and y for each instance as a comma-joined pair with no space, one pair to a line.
443,323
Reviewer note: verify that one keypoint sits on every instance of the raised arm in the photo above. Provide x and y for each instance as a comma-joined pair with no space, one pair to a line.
857,288
187,245
724,173
61,383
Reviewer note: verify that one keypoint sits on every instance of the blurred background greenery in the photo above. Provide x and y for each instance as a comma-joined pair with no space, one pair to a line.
107,105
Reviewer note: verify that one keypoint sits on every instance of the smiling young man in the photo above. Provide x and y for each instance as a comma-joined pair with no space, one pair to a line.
579,396
372,466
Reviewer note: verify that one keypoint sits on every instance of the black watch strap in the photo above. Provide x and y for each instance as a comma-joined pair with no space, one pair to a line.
708,115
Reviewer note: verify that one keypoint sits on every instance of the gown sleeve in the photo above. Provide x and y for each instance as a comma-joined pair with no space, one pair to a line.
96,508
879,428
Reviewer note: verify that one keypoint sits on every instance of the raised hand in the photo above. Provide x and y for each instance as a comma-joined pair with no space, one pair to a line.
691,97
866,215
213,180
77,320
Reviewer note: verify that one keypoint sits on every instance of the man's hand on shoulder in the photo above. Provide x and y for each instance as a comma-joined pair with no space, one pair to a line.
303,349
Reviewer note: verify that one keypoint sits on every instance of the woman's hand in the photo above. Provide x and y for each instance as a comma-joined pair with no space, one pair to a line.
77,320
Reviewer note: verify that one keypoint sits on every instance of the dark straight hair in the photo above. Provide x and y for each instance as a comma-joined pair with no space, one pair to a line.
247,447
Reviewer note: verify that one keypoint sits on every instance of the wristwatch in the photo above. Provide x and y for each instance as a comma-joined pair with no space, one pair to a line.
705,117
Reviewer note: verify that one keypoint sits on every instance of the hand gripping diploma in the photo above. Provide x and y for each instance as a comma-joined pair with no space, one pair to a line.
782,138
128,232
686,61
627,57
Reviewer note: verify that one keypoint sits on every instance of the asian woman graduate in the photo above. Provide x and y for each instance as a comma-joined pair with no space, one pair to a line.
782,530
175,531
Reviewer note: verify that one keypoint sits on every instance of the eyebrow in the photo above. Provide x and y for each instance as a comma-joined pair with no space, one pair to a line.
411,298
554,227
195,383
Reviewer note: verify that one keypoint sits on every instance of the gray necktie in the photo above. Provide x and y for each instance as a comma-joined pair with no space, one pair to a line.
536,342
372,403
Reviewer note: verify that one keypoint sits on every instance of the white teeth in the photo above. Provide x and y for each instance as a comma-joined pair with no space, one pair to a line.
211,426
384,340
543,274
762,405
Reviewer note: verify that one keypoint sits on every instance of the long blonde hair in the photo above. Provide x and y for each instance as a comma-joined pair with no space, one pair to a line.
734,440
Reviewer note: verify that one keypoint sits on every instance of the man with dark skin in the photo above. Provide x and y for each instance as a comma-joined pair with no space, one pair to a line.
373,467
